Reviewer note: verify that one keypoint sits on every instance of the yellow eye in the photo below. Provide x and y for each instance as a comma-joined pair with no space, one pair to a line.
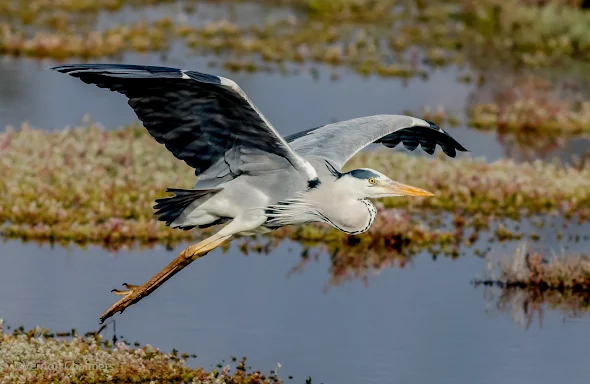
372,180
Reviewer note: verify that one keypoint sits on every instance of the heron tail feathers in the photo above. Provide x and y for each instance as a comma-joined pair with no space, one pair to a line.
169,209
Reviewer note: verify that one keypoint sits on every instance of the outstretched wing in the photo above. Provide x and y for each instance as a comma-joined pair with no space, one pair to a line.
205,120
340,141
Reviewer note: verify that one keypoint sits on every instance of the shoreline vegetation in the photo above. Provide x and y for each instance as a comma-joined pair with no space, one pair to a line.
525,117
526,105
41,356
99,186
538,272
531,282
383,37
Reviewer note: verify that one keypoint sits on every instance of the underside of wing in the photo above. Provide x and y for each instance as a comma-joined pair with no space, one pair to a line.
340,141
205,120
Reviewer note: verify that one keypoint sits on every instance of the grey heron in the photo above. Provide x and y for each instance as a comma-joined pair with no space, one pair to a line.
249,177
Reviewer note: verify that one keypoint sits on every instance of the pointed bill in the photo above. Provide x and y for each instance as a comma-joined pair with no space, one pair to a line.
406,190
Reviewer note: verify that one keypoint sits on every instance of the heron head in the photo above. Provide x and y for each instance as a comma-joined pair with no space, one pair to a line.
368,183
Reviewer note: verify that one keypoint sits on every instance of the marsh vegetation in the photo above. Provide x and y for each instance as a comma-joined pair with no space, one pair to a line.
86,189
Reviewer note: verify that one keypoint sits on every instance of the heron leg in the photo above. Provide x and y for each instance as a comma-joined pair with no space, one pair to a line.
124,292
134,293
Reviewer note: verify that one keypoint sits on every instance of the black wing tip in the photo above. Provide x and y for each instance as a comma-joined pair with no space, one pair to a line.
118,68
204,77
153,68
148,70
65,68
450,152
438,136
429,150
457,145
433,124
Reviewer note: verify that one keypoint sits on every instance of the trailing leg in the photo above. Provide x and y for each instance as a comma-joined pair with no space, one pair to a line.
134,293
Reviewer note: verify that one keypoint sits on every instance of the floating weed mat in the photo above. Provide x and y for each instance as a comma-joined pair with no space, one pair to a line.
534,271
384,37
41,356
530,284
526,105
86,184
527,117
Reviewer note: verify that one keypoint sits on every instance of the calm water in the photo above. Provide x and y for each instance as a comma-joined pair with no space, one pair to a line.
420,324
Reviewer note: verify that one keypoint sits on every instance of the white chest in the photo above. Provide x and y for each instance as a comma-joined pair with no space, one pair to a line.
352,218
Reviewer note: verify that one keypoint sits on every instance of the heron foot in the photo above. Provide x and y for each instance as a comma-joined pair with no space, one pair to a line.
125,292
133,293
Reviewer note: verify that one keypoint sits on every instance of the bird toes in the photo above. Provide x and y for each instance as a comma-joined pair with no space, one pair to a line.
121,292
125,292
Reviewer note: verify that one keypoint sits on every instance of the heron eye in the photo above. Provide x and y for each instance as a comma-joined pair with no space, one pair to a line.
372,180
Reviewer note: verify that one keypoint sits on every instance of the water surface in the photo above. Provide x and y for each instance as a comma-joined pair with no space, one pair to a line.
420,324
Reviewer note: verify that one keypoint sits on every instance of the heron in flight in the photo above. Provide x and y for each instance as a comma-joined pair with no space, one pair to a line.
249,177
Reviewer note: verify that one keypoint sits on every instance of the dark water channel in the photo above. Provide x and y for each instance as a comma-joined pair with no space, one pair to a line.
420,324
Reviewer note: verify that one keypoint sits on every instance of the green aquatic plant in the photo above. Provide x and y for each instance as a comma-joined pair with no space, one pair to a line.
40,356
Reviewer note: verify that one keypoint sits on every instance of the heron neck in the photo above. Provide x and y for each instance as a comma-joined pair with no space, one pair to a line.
357,216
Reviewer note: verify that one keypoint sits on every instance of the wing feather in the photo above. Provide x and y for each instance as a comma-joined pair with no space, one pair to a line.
205,120
340,141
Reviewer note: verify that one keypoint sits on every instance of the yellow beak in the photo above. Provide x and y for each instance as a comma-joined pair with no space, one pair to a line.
405,190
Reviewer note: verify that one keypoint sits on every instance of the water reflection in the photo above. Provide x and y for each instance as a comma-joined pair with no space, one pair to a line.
404,320
353,258
530,307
